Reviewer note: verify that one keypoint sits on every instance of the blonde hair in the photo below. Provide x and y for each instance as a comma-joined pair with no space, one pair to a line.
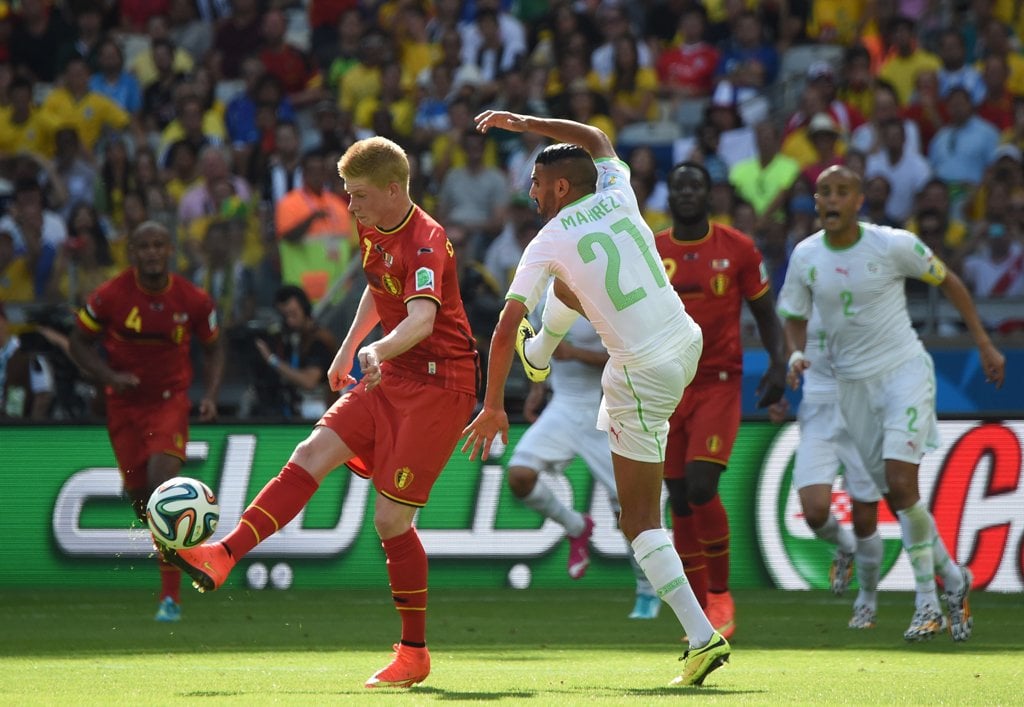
377,160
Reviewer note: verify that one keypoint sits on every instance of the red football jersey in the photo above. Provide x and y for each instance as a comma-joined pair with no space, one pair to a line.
713,276
148,333
416,259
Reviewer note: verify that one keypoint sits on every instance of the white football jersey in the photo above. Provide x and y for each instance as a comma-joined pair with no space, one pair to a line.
602,249
859,294
819,383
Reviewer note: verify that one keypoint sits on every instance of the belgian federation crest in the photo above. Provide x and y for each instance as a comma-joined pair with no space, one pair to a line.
403,478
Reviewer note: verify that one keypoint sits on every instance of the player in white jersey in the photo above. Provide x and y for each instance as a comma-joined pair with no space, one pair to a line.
825,446
853,274
564,430
606,266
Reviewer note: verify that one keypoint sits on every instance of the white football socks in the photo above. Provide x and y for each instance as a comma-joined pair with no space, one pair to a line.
945,566
918,532
544,502
832,532
660,562
556,320
868,563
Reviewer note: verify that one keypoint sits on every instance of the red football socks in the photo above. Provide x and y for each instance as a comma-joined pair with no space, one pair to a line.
684,537
170,581
712,525
272,509
407,571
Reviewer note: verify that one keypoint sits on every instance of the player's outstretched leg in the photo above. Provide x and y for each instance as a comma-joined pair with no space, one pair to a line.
409,665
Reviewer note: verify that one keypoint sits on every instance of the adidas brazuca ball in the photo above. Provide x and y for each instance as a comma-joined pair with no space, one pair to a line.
182,513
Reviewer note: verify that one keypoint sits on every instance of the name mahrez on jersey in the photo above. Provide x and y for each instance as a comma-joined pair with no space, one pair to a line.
605,206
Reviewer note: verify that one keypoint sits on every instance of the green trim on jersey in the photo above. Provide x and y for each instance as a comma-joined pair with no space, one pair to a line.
789,315
860,234
517,298
621,161
575,202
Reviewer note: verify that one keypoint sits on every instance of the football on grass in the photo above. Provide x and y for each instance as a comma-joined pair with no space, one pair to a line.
182,513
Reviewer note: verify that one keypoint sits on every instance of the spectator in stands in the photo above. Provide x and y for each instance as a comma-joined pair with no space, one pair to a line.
224,276
237,37
868,137
1001,181
391,98
747,60
686,70
283,171
835,21
907,172
997,42
291,375
614,26
345,52
23,126
112,81
588,107
504,253
474,197
158,97
511,32
180,59
187,30
821,94
199,201
74,104
934,196
84,261
926,108
292,67
77,175
994,263
765,180
37,38
906,59
37,233
446,151
960,152
362,81
877,190
314,230
182,173
856,88
191,126
955,71
825,137
931,225
88,36
997,106
493,56
630,88
16,281
26,378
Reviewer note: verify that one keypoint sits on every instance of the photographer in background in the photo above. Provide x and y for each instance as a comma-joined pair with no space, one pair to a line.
295,386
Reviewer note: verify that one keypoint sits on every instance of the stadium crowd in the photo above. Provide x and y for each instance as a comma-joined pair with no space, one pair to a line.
224,119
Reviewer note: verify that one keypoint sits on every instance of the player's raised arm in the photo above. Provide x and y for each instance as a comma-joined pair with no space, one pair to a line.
591,139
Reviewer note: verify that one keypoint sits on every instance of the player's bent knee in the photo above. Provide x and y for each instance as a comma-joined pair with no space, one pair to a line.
521,480
677,497
815,515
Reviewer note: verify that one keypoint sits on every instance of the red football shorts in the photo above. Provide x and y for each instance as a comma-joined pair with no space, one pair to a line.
140,430
402,432
704,426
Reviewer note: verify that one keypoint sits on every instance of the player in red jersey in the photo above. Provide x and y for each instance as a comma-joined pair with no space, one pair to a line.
714,269
145,319
399,424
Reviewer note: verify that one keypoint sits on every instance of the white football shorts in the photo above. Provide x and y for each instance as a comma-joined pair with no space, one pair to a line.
825,445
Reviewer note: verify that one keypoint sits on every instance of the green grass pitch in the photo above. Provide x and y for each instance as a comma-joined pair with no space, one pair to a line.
533,647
